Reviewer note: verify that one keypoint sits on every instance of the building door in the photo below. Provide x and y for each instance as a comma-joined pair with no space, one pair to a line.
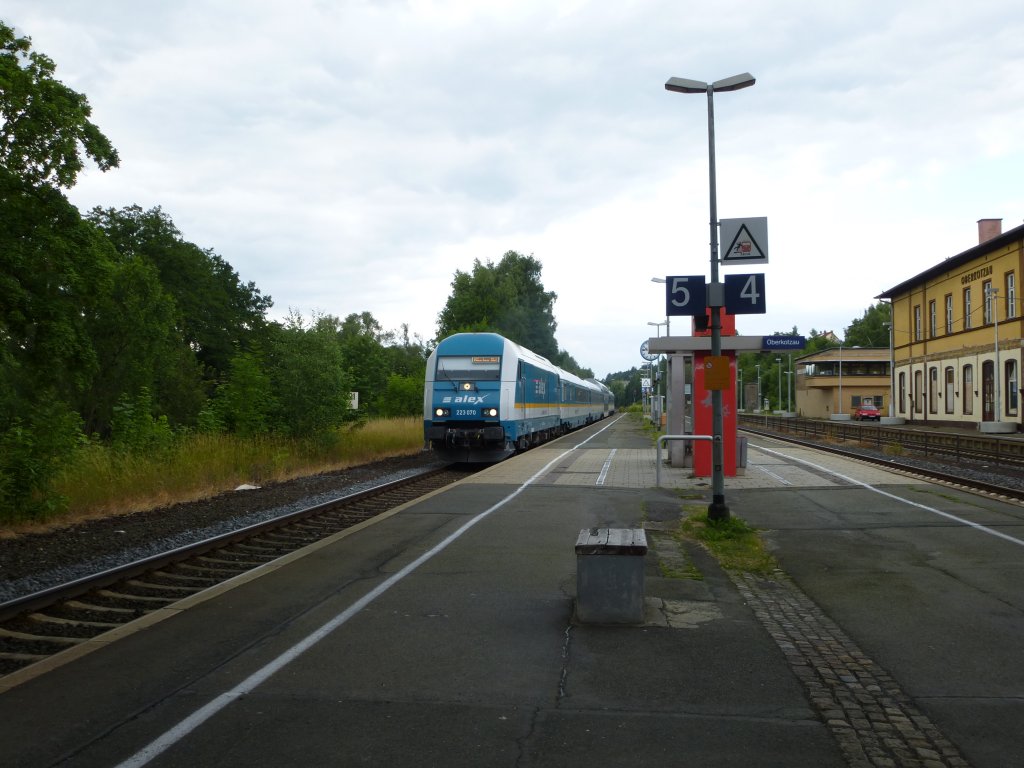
988,391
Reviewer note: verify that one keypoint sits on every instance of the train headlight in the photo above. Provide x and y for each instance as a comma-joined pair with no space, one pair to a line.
442,412
492,412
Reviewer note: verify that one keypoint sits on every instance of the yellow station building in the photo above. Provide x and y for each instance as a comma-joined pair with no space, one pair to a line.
956,336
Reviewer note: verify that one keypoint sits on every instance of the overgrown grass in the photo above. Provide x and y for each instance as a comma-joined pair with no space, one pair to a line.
649,427
685,571
735,544
103,481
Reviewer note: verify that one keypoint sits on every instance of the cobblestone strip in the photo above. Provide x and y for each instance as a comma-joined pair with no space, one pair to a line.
875,724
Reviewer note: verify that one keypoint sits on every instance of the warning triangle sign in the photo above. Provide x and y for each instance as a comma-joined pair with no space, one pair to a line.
746,241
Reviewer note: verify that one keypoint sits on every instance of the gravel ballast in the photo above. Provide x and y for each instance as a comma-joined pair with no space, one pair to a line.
32,562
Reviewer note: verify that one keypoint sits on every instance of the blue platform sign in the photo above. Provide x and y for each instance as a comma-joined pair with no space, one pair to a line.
744,294
775,343
685,295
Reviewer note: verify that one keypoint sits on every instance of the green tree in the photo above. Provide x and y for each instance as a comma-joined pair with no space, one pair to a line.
618,388
34,443
217,314
53,269
244,402
403,396
136,430
567,362
871,329
138,348
406,357
627,386
44,125
506,298
53,266
362,339
310,384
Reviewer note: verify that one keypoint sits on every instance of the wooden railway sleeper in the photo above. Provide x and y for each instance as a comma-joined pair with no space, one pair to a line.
140,584
29,658
243,564
79,605
134,598
42,618
209,570
42,638
183,577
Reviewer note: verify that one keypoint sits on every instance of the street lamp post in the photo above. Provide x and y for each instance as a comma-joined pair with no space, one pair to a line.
789,388
668,369
658,377
993,293
668,328
892,365
778,361
839,408
717,510
757,369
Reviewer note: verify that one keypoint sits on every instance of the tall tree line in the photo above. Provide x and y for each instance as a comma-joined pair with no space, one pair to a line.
112,322
115,328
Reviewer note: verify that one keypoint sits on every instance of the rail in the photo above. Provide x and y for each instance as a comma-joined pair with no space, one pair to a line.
666,438
896,440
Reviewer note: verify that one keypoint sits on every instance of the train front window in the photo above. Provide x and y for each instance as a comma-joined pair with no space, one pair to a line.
469,368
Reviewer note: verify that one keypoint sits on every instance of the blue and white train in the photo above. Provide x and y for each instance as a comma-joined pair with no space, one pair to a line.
487,397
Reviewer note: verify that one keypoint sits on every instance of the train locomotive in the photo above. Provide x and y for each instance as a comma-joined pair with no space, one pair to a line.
486,398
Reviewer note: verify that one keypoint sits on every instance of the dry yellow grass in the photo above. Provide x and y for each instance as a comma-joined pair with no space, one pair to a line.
101,482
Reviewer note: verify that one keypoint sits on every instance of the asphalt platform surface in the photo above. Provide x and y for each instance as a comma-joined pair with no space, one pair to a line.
444,635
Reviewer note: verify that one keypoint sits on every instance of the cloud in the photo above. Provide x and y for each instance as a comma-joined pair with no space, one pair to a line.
351,157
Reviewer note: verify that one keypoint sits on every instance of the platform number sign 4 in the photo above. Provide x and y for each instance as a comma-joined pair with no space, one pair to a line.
744,294
685,295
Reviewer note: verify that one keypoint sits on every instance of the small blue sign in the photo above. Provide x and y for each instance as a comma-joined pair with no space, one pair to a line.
685,295
744,294
773,343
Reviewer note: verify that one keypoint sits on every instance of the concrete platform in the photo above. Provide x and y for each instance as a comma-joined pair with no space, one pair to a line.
443,635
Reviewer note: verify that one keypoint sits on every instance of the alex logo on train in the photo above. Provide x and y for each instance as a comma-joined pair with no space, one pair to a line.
464,399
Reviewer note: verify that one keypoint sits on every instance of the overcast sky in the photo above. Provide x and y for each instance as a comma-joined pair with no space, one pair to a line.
351,156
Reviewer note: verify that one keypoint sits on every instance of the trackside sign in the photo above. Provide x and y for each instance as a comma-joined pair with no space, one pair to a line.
772,343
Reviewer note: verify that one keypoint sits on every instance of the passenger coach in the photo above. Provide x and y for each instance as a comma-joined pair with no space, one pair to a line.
487,397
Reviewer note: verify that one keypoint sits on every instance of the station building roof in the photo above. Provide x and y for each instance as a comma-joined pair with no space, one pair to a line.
953,262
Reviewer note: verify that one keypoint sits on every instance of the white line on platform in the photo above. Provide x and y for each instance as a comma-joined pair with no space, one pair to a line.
939,512
768,472
607,465
201,715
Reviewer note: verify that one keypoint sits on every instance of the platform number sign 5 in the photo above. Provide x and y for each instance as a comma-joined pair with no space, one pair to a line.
685,295
744,294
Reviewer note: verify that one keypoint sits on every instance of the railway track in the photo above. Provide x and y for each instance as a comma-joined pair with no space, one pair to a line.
40,625
1006,451
945,459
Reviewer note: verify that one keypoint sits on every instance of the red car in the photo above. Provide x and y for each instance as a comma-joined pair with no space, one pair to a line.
867,412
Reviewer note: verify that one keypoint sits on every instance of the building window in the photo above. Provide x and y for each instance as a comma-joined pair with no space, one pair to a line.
903,392
917,322
933,329
918,392
949,313
933,389
967,309
1011,388
1011,294
967,390
950,382
986,291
